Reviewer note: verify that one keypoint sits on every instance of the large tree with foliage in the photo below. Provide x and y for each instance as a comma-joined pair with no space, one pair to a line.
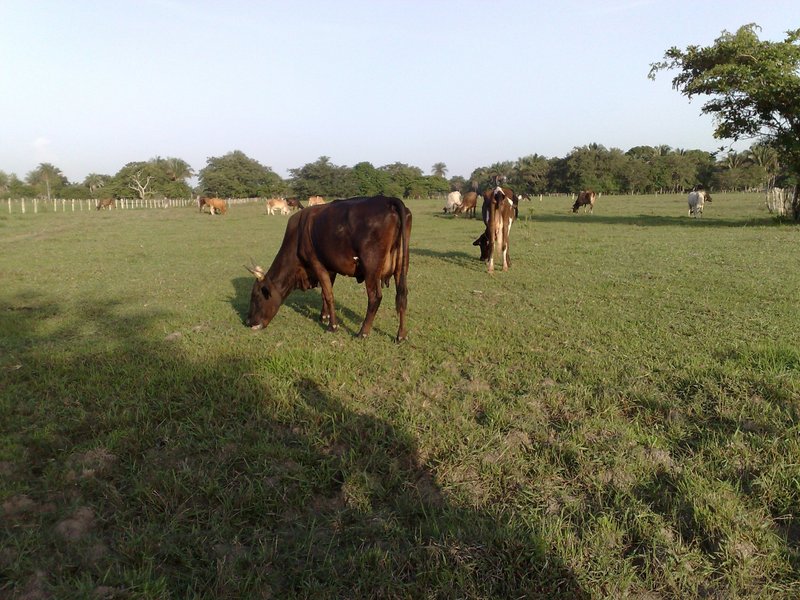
403,180
529,175
149,179
323,178
754,89
235,175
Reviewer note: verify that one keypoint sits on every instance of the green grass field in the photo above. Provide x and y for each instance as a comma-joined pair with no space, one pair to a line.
616,416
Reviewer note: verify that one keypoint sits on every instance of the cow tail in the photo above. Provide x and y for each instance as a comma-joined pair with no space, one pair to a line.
401,281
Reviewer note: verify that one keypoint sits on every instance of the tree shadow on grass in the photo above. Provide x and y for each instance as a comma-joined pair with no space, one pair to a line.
642,220
135,469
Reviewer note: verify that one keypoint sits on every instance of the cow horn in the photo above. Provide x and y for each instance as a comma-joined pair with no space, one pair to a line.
257,271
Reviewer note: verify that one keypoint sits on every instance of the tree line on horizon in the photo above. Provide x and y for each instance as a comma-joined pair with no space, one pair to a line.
640,170
753,88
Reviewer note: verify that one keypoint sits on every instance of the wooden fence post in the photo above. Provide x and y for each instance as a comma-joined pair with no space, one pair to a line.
23,206
9,206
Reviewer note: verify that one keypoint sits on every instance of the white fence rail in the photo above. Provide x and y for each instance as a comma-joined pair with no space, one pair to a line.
65,205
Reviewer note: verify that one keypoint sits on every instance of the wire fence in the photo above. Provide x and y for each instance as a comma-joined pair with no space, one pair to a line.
66,205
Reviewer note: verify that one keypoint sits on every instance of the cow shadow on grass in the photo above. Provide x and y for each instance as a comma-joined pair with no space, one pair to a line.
454,257
307,304
135,464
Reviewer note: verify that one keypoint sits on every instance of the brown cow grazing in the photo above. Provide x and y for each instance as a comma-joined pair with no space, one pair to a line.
315,200
216,205
201,202
366,238
278,204
105,203
586,200
499,211
468,204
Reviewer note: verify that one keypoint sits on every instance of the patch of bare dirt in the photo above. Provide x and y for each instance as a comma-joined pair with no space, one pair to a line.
75,527
96,462
35,588
17,505
428,491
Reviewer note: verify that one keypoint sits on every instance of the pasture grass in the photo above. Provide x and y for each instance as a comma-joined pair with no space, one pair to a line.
616,416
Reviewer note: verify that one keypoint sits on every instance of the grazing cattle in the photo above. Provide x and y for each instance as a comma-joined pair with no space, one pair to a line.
294,203
216,205
315,200
452,203
105,203
697,199
499,211
280,204
366,238
201,202
468,204
586,200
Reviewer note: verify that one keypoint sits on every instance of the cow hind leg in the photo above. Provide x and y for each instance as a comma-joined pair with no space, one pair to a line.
400,305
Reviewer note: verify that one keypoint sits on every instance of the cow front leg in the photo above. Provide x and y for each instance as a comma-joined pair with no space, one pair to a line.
325,312
374,296
327,299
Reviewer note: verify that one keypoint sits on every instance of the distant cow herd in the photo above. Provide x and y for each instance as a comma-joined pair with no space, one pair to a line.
368,238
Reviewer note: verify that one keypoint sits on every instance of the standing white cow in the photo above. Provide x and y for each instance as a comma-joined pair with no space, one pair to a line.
453,202
697,198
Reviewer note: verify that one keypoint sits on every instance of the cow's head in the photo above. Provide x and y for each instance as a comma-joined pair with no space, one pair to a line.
264,304
483,243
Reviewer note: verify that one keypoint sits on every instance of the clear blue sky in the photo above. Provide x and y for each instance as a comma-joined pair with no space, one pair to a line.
90,86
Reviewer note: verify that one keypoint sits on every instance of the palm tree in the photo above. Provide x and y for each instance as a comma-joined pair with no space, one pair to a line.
765,157
95,181
47,175
178,169
439,169
735,160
